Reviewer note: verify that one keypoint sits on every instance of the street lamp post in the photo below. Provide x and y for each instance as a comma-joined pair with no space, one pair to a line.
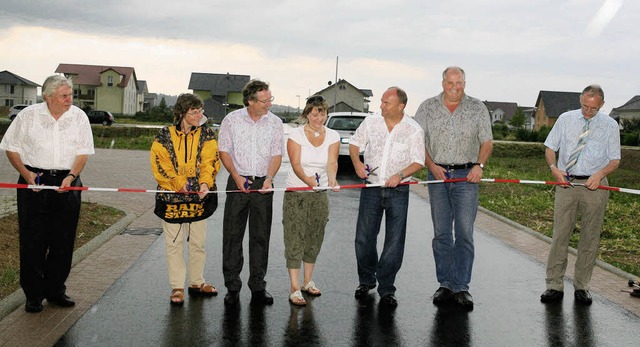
298,103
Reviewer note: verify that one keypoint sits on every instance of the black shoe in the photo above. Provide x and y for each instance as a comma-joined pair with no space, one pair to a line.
551,295
61,300
583,297
389,300
232,297
464,299
261,297
442,295
33,306
364,289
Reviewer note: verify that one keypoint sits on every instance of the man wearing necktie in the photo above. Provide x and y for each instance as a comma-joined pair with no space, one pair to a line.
588,146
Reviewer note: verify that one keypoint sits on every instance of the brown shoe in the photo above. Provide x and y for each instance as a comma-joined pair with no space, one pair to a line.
177,296
205,289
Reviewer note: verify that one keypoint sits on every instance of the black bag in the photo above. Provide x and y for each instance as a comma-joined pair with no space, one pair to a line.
185,208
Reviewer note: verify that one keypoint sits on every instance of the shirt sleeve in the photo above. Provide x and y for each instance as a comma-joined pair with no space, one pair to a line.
359,137
277,144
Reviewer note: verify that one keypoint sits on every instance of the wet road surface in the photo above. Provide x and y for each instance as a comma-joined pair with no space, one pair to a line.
506,286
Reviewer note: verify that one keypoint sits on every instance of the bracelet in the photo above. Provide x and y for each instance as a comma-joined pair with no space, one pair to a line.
72,175
552,166
269,177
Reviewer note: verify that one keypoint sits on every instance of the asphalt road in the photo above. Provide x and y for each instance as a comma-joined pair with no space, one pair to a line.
506,286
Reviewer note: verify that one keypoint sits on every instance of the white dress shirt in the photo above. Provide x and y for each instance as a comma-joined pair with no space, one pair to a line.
389,152
46,143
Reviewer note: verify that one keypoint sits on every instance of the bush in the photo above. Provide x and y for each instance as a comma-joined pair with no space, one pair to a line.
630,139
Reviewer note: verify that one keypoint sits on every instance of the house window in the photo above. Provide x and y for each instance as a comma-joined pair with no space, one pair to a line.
9,89
91,92
110,81
76,92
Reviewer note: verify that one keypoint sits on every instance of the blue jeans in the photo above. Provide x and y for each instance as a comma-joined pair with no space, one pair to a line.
374,202
453,211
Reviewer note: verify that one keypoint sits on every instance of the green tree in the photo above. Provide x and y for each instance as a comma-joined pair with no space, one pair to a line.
518,119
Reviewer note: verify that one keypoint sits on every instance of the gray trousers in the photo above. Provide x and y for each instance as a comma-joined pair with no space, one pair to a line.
569,204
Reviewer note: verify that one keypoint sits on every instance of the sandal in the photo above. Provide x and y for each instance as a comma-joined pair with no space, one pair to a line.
177,296
204,289
311,289
296,299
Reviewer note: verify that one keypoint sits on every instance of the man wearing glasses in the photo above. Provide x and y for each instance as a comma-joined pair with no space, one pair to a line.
251,142
588,143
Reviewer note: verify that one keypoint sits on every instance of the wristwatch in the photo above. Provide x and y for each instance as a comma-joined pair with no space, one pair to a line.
481,165
401,174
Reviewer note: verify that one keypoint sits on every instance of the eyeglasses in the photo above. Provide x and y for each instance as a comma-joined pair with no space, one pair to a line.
314,99
588,109
268,100
195,111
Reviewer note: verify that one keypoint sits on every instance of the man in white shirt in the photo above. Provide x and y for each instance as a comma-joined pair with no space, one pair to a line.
251,142
394,150
48,144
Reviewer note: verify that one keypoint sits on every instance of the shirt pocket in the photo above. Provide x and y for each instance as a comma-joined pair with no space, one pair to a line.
399,151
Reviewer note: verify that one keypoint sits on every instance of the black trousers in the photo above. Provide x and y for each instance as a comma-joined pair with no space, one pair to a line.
47,224
257,209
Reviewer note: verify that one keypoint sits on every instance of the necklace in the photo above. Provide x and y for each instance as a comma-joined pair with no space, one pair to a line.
316,133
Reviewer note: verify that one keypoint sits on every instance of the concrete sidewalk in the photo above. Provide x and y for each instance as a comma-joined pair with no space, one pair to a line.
106,259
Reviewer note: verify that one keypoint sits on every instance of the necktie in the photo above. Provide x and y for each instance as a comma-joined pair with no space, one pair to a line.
575,154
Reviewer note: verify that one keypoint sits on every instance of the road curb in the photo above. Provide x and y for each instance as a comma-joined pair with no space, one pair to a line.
16,299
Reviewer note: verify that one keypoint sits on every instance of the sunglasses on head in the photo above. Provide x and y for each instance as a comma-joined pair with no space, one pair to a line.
314,99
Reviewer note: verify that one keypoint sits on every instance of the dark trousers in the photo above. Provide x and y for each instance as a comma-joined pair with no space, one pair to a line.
47,222
257,209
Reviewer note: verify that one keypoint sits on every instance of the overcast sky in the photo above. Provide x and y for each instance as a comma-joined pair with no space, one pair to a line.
510,49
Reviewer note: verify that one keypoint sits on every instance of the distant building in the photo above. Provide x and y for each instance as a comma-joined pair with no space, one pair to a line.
550,105
629,111
221,93
16,90
529,116
501,111
345,97
106,88
146,100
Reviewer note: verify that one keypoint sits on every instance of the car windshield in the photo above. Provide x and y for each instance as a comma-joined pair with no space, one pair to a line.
344,123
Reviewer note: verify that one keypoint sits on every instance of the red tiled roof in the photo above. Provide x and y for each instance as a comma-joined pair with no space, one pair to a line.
90,74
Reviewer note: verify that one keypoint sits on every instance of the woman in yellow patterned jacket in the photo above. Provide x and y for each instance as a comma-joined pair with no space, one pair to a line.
184,159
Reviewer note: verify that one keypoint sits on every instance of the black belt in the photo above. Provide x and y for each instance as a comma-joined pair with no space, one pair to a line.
253,178
579,177
457,166
52,173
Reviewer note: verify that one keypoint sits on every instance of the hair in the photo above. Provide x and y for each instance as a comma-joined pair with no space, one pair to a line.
251,89
314,101
184,103
593,89
52,83
453,67
402,95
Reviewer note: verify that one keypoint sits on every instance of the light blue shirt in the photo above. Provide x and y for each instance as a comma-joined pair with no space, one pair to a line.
603,141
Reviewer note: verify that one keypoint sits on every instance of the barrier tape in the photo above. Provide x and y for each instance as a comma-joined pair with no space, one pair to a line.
299,189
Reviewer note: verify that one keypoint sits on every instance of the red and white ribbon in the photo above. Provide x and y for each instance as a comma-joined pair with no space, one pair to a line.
299,189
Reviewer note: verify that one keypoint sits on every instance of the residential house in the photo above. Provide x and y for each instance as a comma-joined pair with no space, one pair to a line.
501,111
16,90
106,88
550,105
629,111
146,100
529,116
220,93
345,97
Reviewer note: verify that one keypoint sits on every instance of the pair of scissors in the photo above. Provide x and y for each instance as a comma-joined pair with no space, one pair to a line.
370,172
318,179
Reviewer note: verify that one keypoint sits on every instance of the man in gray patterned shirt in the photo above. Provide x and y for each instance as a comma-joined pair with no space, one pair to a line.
458,142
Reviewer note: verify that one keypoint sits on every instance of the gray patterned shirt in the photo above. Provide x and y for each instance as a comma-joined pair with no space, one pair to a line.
454,138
